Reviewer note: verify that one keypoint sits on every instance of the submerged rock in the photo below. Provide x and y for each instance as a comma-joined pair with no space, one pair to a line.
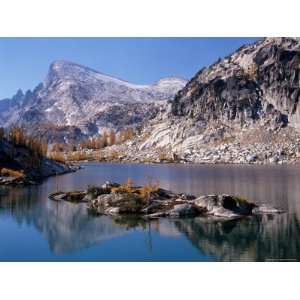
75,196
266,209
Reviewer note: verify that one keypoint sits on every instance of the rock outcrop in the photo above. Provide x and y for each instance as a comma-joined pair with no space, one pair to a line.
154,202
259,82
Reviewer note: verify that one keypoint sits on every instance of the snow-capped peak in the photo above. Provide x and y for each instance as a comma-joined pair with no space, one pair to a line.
74,95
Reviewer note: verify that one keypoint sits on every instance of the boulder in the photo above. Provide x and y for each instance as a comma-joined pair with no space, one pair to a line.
187,197
251,158
274,160
109,185
152,208
237,205
109,199
112,211
214,204
95,191
221,212
183,210
88,198
162,194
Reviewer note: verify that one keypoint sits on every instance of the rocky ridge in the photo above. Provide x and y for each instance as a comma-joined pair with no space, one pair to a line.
242,109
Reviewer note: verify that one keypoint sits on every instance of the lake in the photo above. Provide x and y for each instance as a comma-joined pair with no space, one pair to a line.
34,228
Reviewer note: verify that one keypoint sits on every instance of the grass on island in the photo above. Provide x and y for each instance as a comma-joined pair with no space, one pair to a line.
143,191
135,198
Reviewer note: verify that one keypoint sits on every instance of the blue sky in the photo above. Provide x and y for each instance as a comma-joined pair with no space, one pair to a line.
24,62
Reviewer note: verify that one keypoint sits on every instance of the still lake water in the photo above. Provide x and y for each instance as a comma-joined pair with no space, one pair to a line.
33,228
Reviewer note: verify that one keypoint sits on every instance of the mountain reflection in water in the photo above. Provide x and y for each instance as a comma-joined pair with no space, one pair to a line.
73,234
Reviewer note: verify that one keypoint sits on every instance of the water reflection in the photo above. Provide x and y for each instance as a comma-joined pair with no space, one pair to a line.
68,228
262,238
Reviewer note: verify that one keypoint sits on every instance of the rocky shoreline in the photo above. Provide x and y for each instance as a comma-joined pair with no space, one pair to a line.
224,154
254,145
25,180
151,201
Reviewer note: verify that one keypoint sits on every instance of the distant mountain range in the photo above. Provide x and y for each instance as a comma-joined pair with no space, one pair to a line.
243,108
75,102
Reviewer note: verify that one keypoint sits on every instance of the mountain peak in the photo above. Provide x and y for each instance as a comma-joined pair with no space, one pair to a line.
170,79
19,93
62,64
67,70
76,95
64,70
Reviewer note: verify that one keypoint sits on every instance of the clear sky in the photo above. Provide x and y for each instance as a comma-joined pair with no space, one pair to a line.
24,62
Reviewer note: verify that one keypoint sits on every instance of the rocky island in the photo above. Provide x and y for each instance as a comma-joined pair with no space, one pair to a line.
151,201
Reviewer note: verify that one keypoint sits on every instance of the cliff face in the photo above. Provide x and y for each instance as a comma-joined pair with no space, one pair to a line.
258,82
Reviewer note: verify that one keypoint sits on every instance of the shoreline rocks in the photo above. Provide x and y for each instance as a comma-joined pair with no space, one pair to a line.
19,165
251,146
114,199
28,180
